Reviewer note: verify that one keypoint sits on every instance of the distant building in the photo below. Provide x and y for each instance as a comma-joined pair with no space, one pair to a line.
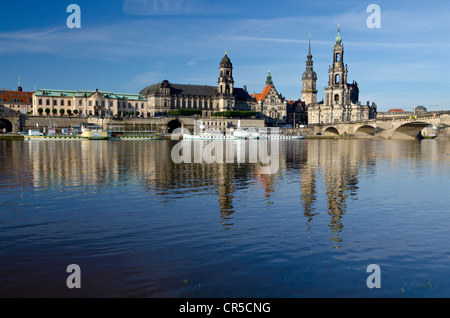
420,110
341,99
396,110
88,103
270,104
15,102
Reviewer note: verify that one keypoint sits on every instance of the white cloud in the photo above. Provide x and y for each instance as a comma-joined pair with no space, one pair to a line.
172,7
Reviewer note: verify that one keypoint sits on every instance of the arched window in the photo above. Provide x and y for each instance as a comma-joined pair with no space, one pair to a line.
338,56
337,79
336,98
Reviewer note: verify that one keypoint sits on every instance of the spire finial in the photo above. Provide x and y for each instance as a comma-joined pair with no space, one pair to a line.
19,87
225,52
310,43
338,38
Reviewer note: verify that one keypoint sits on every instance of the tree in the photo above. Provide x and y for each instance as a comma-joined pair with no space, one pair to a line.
125,113
62,111
131,114
54,111
75,111
47,111
137,113
40,111
69,112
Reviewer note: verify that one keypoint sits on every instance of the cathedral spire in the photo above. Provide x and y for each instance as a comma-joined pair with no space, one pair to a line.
309,61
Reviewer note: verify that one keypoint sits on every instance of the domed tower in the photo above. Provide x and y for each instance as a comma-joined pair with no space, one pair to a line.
309,78
225,99
226,76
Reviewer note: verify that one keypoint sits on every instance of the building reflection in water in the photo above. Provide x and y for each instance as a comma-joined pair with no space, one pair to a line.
321,168
339,162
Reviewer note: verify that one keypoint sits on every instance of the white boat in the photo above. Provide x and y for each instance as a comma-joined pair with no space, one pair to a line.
284,137
209,135
240,133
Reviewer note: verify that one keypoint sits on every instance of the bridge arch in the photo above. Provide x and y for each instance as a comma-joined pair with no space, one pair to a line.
172,125
331,131
365,130
410,130
5,123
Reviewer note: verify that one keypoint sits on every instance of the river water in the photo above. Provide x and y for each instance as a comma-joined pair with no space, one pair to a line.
139,224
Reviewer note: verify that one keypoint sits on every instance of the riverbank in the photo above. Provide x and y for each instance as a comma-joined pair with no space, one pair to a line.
10,137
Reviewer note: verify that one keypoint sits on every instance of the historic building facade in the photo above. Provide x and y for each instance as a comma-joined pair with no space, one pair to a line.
341,99
270,104
163,97
88,103
15,102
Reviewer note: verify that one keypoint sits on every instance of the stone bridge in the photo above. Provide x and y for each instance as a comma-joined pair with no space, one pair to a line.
408,127
11,123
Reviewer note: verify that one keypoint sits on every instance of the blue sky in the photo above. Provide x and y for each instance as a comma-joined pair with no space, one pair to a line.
125,45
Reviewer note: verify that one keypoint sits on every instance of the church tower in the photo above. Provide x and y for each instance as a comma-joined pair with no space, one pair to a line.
336,92
225,85
309,78
226,76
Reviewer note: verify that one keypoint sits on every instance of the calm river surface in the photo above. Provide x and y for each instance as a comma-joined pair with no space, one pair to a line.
140,225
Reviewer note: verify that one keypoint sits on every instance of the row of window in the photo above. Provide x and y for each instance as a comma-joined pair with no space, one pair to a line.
80,103
12,100
189,103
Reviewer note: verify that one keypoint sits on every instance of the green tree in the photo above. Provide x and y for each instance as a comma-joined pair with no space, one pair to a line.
75,111
137,113
62,111
125,113
40,111
69,112
47,111
54,111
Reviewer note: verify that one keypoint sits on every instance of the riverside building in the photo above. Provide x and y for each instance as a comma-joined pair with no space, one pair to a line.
88,103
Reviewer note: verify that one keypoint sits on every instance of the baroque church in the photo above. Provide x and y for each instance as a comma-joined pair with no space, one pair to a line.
341,98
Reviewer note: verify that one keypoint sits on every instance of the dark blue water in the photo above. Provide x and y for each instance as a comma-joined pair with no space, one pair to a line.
139,225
